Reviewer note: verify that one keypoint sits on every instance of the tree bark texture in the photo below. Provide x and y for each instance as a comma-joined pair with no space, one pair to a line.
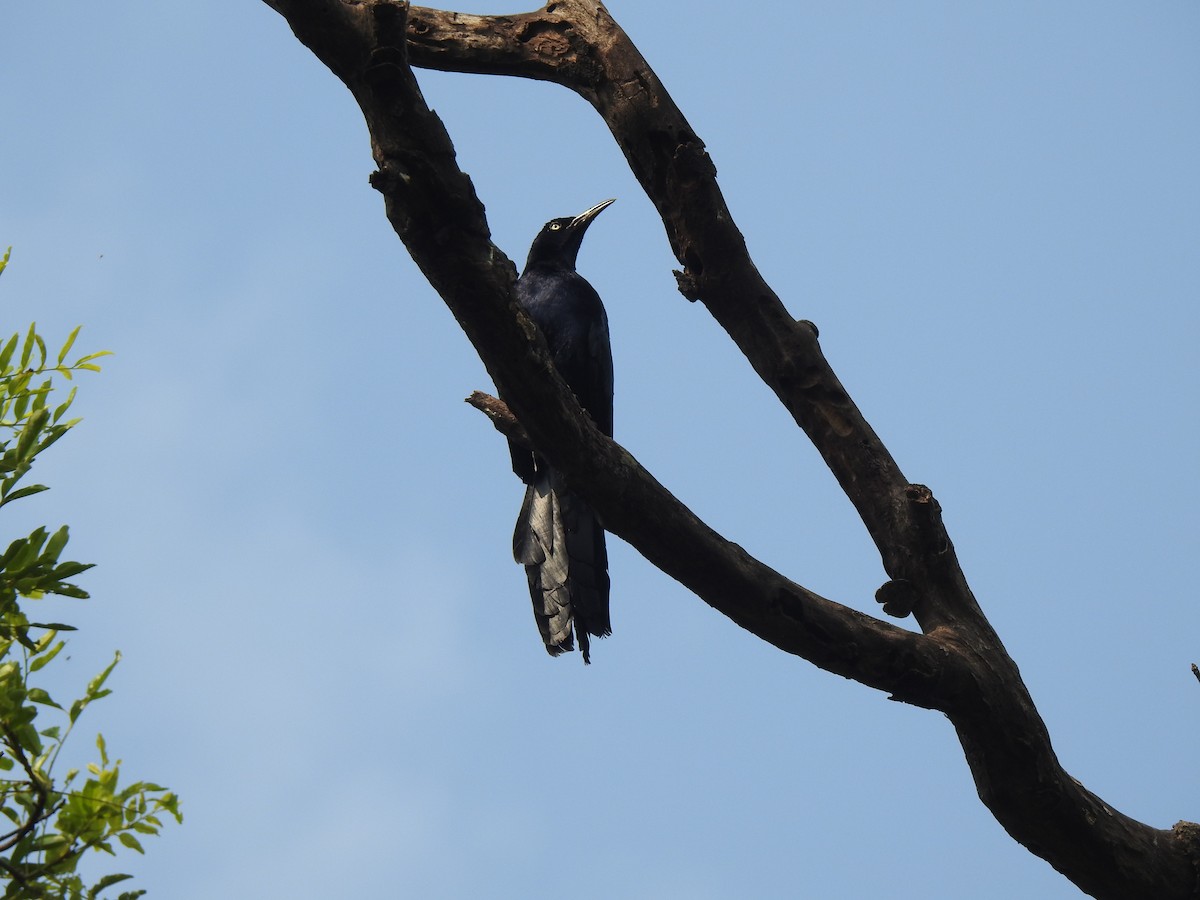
957,663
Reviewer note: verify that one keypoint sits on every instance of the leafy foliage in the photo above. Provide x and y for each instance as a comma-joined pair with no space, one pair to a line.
54,822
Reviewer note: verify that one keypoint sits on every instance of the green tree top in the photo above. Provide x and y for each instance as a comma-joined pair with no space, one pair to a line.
54,820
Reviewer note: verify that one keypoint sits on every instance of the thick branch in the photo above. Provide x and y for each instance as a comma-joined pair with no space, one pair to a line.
959,665
433,208
578,45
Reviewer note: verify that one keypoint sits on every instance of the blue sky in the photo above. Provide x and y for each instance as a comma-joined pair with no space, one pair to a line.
991,210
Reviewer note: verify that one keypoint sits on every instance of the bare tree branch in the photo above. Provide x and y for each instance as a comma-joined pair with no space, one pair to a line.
959,664
433,207
578,45
502,417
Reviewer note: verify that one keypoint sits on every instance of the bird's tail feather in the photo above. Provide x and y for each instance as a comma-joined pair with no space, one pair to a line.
562,547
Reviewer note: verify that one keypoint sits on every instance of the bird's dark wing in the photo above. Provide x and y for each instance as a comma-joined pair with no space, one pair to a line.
571,318
600,378
576,329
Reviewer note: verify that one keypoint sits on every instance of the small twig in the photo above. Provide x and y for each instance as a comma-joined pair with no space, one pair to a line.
502,417
37,786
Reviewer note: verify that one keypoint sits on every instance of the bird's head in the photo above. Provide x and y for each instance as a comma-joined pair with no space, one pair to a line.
559,240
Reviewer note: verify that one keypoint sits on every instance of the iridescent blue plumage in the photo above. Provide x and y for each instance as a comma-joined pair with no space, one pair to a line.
557,537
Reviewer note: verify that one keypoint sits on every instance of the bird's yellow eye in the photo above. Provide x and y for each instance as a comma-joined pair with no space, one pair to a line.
554,226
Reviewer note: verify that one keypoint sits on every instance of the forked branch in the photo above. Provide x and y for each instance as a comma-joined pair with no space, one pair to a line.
958,664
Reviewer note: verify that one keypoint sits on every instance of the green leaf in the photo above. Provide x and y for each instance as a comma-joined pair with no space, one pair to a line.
106,881
52,435
27,552
42,659
62,354
28,737
64,406
68,590
31,431
23,638
27,347
39,695
170,802
24,492
44,642
41,392
50,841
17,383
55,545
130,841
7,353
20,407
85,359
11,553
96,683
66,570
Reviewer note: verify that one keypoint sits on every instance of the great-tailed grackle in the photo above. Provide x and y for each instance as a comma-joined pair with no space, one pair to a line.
557,537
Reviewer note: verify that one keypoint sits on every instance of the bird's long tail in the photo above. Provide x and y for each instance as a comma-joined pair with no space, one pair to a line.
561,545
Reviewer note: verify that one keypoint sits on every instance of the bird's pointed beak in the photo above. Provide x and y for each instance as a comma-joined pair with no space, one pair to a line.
584,219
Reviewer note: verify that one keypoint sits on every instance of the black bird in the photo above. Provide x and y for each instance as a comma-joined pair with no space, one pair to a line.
557,537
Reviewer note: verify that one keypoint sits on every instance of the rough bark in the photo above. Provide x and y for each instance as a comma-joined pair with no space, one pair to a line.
957,664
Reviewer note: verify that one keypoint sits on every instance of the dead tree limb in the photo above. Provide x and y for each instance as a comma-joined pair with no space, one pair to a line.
957,664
